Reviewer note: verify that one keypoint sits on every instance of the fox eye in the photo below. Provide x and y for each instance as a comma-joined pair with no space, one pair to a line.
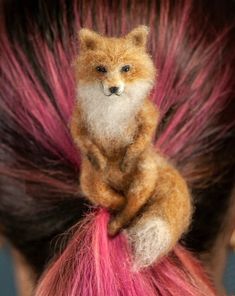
101,69
125,68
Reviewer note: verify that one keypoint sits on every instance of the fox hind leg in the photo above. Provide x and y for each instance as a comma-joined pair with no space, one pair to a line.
160,226
139,192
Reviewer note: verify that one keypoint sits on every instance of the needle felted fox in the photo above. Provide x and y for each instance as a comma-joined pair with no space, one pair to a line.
113,125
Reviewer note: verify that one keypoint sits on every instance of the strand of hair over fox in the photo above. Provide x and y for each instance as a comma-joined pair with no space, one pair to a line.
24,100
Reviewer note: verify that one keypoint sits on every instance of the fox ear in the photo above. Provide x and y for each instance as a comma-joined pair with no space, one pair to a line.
88,39
138,36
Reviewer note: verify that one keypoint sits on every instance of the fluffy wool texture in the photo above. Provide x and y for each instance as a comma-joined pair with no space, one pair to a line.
115,134
150,238
109,116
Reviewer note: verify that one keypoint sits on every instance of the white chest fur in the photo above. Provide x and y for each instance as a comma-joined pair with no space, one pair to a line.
111,117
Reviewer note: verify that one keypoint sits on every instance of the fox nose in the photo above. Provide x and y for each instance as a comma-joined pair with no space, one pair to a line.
113,89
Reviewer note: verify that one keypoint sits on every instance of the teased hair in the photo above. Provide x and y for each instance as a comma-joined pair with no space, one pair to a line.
93,264
40,196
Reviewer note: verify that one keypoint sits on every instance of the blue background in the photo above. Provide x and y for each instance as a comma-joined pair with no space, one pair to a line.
7,285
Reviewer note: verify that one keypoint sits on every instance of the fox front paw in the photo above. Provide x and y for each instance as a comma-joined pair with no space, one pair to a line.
114,227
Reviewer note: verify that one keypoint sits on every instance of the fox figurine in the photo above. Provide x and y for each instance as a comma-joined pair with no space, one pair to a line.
113,125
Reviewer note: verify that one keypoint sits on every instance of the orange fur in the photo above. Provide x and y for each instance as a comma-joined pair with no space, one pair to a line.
122,171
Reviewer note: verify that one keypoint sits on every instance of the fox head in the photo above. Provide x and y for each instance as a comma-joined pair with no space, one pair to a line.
114,68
